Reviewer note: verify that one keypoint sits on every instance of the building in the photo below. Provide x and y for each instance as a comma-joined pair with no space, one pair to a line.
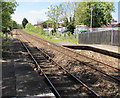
43,24
36,25
114,23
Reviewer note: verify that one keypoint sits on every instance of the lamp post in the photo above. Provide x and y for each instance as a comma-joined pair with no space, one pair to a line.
91,20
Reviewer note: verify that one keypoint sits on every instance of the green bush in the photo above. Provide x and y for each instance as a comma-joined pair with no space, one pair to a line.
30,27
50,36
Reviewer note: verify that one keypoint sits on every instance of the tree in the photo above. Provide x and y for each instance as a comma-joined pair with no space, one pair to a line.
101,13
69,9
54,15
24,22
15,25
8,8
70,25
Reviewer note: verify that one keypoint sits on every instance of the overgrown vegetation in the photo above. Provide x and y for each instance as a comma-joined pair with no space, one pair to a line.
6,42
53,37
8,7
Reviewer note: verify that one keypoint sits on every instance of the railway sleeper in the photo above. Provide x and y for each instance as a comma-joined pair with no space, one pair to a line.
59,79
64,83
69,91
46,65
50,69
80,95
56,76
58,73
41,61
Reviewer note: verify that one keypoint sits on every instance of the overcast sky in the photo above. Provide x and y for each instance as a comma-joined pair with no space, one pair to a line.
35,11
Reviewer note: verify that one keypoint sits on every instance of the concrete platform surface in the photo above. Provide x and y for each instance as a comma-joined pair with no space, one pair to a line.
110,48
18,77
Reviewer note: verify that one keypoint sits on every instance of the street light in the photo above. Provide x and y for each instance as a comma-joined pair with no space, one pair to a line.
91,20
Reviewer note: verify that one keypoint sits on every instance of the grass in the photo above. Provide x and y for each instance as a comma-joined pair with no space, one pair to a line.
57,37
46,36
6,42
1,34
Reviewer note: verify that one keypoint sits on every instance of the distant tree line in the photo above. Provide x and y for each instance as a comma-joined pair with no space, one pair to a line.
79,13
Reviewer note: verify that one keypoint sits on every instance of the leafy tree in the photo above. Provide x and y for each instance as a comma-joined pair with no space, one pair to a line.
12,25
69,9
31,27
15,25
20,26
54,15
65,21
24,22
8,8
101,13
48,21
70,25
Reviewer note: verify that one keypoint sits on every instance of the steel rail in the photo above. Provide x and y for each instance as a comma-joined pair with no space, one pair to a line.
78,80
75,52
89,65
54,89
75,78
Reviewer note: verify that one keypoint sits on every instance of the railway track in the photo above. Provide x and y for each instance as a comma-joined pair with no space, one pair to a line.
92,64
62,82
108,70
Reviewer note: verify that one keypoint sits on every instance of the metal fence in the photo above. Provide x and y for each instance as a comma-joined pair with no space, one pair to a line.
111,37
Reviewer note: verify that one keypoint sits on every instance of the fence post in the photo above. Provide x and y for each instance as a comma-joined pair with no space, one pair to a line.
112,36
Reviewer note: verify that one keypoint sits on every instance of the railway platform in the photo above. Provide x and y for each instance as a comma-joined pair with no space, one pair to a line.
19,78
109,48
105,49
